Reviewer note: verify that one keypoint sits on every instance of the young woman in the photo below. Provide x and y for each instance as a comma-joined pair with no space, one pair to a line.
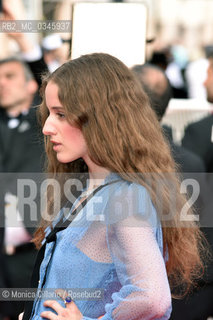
127,239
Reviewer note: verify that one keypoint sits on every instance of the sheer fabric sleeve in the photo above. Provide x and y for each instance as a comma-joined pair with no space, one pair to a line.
138,260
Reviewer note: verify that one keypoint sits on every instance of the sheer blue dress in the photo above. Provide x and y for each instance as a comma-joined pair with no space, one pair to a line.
110,258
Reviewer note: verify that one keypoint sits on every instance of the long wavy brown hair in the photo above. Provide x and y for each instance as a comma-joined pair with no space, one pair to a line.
103,98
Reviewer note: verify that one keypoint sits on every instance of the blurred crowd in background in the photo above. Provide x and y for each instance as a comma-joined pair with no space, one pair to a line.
178,41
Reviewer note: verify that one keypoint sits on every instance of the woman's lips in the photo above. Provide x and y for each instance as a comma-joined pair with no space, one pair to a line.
56,145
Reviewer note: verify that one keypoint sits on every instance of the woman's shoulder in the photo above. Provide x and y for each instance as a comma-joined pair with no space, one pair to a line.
128,191
118,184
126,198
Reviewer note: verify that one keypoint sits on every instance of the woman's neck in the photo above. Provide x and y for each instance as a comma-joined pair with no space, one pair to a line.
97,174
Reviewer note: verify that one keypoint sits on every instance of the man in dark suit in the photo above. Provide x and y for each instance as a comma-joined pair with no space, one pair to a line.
21,151
198,305
157,87
199,135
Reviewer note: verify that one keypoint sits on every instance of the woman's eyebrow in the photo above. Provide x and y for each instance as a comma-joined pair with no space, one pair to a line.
56,108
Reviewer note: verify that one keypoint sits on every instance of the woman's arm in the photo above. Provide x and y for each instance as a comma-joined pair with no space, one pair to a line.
145,292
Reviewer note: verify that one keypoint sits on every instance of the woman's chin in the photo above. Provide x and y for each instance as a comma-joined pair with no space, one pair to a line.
64,159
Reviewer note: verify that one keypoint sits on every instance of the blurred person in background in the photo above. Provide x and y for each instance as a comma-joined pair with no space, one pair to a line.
54,53
196,73
18,153
199,135
197,305
165,60
29,52
199,138
21,150
157,86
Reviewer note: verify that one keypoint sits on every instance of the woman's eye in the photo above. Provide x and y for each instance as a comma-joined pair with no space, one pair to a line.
60,115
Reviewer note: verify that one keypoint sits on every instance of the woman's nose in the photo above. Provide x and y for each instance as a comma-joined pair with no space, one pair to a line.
48,128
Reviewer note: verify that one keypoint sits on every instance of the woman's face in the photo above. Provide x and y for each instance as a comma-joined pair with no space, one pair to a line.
68,141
